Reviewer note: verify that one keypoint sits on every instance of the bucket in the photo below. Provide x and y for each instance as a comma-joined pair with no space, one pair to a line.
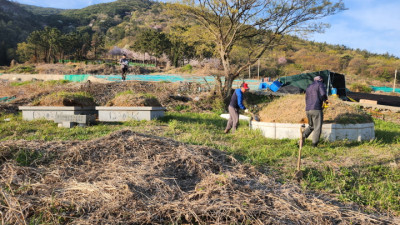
275,86
334,91
263,86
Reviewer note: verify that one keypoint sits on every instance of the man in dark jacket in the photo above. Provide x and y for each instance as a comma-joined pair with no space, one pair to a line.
234,106
315,97
124,62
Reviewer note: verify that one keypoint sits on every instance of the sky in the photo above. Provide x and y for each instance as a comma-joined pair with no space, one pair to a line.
372,25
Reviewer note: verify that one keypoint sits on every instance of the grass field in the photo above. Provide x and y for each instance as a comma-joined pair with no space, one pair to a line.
367,173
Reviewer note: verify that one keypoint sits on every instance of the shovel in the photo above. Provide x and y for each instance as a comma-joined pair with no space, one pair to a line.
253,117
299,174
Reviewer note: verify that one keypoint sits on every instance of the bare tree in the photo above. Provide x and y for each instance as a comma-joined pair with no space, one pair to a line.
255,25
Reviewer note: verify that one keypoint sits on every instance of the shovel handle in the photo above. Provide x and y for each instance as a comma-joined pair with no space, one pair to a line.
300,147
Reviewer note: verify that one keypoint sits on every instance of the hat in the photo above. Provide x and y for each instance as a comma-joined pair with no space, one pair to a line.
244,85
318,78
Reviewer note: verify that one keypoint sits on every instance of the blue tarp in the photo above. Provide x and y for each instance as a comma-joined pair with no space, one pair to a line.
253,84
385,89
76,77
7,99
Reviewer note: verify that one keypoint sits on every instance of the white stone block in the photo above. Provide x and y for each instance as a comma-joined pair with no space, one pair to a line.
241,117
50,112
330,132
118,114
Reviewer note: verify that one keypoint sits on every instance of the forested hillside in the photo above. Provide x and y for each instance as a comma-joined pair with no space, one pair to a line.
15,25
142,26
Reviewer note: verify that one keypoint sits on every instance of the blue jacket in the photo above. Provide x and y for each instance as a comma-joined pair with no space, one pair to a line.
315,96
237,99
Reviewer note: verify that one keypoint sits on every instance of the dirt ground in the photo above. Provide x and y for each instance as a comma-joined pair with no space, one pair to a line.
170,95
291,109
131,178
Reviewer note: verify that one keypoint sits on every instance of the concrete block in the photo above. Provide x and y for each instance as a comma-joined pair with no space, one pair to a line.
366,101
50,112
118,114
81,119
330,132
66,124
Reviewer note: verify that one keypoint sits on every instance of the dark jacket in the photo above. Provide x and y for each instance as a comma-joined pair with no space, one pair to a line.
237,99
315,96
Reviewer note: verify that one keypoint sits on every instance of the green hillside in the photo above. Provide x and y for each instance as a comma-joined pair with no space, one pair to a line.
15,24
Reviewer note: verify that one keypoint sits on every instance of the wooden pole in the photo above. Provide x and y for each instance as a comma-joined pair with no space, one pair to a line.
395,79
258,72
249,72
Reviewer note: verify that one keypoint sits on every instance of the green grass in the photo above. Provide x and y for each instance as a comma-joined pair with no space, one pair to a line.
18,129
17,84
54,82
360,172
367,173
22,69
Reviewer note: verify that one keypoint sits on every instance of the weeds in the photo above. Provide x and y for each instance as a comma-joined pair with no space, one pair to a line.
358,87
17,84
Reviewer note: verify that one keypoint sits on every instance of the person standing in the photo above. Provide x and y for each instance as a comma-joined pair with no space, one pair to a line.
124,62
315,97
234,106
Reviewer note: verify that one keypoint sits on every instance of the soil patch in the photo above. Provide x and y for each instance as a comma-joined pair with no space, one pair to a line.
291,109
129,98
130,178
66,99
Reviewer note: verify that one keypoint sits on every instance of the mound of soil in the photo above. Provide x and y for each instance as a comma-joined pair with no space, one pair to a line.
132,99
130,178
66,99
291,109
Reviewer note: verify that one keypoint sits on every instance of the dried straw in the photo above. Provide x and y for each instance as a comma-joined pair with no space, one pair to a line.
291,109
131,178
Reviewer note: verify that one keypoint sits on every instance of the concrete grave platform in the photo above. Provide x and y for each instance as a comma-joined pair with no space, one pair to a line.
50,112
330,132
119,114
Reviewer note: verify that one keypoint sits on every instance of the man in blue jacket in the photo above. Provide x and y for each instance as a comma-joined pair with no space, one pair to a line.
315,97
234,106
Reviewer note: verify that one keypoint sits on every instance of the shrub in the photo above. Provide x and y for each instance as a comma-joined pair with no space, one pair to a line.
22,69
187,68
357,87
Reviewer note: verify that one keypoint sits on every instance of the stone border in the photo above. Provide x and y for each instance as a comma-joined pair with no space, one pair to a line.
241,117
50,112
120,114
330,132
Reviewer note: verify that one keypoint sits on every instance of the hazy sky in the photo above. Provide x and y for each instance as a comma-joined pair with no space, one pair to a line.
373,25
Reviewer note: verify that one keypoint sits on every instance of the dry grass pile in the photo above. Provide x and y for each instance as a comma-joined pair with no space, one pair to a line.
130,178
34,89
129,98
169,95
291,109
64,98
